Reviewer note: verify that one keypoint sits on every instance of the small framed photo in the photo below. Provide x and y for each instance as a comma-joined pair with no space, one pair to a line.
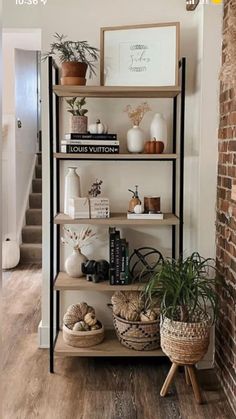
140,55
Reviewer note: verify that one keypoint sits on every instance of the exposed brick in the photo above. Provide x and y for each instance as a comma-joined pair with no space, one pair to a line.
232,145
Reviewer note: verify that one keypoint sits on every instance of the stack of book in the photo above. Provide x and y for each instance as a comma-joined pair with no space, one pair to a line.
90,144
119,258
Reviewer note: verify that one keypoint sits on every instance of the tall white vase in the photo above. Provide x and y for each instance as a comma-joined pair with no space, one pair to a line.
135,140
72,187
158,128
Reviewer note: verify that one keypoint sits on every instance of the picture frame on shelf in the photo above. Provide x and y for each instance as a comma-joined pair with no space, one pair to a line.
140,55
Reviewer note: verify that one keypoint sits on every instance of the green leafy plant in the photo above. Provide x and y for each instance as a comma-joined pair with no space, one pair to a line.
185,289
76,105
79,51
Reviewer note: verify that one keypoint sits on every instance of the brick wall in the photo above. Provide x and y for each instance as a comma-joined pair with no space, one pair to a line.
226,230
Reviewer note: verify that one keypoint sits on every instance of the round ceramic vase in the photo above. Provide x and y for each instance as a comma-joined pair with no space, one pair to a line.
73,264
135,140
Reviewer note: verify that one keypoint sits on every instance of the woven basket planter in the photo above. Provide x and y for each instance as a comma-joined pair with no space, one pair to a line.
185,343
140,336
83,339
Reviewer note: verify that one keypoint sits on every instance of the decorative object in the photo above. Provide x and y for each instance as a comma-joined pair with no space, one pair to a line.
158,130
75,58
135,136
186,301
143,262
152,204
79,208
154,147
228,74
138,209
140,55
72,187
134,200
73,264
131,331
96,271
99,207
80,326
98,128
192,4
78,122
10,254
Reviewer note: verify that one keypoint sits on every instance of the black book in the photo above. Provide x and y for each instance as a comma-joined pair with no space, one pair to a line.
112,270
90,149
123,244
89,136
117,258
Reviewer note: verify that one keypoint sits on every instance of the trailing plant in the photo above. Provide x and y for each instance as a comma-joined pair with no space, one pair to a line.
76,105
79,51
185,288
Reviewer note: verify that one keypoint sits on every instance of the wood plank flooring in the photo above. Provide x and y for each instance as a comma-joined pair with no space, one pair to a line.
86,388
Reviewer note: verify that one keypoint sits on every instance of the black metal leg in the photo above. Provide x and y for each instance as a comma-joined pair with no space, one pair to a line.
182,130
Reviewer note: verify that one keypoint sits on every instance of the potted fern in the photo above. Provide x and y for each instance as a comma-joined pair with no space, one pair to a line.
75,58
187,295
79,120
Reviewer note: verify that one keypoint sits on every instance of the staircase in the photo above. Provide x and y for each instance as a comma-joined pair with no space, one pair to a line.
31,247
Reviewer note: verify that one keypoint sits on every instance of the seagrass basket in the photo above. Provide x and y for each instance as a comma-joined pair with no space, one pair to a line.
185,343
83,339
140,336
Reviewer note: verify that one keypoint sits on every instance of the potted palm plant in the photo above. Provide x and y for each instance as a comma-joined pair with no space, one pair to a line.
187,295
75,58
79,120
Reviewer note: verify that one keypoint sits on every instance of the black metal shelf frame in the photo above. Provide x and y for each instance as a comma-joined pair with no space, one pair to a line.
54,146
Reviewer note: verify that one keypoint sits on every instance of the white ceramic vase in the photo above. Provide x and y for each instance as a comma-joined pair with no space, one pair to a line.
72,187
158,128
135,140
73,264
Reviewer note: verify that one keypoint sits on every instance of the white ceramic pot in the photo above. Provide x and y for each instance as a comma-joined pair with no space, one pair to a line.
72,187
73,264
135,140
79,124
10,254
158,129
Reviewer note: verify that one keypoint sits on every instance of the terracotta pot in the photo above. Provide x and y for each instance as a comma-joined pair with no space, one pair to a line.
79,124
73,81
73,69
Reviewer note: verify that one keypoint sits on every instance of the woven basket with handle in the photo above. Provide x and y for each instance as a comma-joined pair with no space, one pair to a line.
140,336
185,343
83,339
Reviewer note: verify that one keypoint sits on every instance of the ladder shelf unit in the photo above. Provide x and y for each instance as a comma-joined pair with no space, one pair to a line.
60,281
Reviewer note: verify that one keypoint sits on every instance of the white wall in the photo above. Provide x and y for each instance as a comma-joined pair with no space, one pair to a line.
83,21
17,155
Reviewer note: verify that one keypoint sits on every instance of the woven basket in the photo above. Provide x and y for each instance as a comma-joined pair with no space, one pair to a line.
83,339
140,336
185,343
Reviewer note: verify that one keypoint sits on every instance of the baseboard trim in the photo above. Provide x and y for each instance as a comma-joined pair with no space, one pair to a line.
43,336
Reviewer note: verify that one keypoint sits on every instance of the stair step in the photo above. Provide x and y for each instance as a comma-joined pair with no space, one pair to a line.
39,159
32,234
34,216
35,200
30,252
38,171
37,185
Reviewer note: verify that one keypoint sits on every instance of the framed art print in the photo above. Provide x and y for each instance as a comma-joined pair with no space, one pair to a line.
140,55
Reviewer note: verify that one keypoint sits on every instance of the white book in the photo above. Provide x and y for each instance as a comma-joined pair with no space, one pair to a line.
90,142
159,216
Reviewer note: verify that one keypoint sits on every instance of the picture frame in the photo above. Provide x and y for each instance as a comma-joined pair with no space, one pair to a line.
140,55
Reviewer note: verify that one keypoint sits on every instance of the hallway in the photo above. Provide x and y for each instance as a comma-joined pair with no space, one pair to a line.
85,388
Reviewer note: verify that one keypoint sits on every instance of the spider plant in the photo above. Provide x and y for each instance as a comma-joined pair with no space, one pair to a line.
185,289
79,51
76,105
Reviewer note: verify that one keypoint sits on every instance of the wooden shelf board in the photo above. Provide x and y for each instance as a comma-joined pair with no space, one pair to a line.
114,157
110,347
117,219
117,91
66,283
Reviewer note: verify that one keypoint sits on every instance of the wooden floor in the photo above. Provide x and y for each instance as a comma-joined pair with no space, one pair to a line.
86,388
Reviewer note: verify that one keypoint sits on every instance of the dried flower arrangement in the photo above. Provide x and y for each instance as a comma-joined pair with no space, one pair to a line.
136,114
95,189
80,240
228,70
